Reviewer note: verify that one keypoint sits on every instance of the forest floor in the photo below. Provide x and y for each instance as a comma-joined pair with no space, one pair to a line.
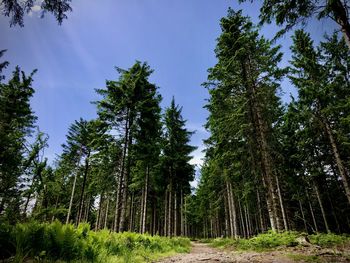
201,252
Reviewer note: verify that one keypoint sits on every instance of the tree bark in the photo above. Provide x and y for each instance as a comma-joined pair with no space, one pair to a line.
339,162
261,221
166,213
98,218
72,193
81,199
170,212
121,177
282,205
312,212
321,207
144,212
340,16
106,214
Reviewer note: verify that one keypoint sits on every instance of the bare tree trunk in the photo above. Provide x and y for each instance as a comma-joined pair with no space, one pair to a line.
262,227
182,213
87,209
81,200
312,212
302,213
144,213
339,162
131,228
72,193
166,213
154,220
321,206
141,210
228,231
106,214
242,219
233,211
121,178
186,226
175,213
249,221
98,218
170,225
282,205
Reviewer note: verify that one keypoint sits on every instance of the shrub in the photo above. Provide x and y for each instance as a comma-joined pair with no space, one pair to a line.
58,242
329,239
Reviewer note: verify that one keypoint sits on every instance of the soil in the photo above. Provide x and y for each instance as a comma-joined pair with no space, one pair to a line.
203,253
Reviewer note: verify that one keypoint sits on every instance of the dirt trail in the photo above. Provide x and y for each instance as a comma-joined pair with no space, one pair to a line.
203,253
200,253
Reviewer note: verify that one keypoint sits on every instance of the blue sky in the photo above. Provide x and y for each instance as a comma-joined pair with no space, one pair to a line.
176,37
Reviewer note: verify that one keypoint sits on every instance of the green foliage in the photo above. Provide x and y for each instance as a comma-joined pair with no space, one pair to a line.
56,241
330,239
272,240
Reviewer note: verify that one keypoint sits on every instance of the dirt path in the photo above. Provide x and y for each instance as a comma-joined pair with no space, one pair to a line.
200,253
203,253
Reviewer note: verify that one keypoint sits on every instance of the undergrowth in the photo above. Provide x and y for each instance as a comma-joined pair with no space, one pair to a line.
42,242
270,240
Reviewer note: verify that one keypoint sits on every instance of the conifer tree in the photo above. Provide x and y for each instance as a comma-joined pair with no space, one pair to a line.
176,168
16,123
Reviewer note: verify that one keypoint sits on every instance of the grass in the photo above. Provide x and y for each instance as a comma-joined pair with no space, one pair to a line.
304,258
43,242
271,240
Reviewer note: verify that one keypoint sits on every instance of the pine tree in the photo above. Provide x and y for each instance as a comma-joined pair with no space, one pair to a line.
243,109
16,122
317,91
121,108
291,13
176,166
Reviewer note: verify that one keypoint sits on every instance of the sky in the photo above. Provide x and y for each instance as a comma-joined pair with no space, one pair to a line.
176,37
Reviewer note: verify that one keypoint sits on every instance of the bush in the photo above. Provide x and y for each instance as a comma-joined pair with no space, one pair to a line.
58,242
272,239
329,239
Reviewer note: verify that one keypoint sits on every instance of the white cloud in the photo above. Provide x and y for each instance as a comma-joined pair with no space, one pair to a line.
198,156
36,8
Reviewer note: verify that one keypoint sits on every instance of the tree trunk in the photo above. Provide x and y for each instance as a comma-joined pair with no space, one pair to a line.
175,213
98,218
186,226
262,227
282,205
170,212
242,219
144,213
131,228
302,213
81,199
121,177
341,17
339,162
312,212
72,193
166,213
233,213
106,214
321,206
182,213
